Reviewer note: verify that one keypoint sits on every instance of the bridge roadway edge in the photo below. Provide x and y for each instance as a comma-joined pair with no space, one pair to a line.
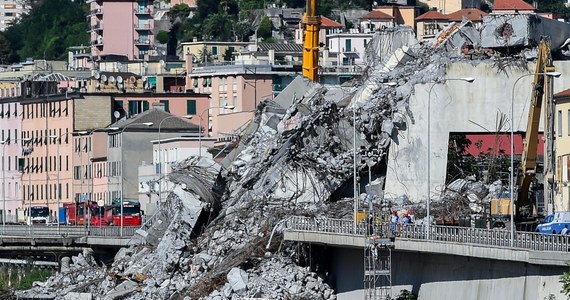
547,258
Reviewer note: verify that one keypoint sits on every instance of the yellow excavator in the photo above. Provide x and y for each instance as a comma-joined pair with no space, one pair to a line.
312,24
525,210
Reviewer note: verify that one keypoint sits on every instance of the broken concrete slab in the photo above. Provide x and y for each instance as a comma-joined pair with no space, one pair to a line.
123,289
522,30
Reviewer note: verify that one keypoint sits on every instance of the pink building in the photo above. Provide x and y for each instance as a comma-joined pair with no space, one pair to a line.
122,28
49,165
11,143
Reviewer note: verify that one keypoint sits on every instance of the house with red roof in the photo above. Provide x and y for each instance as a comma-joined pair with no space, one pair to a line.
375,20
429,24
327,27
512,7
432,22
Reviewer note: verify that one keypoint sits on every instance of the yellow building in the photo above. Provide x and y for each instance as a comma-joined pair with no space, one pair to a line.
403,15
562,148
212,52
449,6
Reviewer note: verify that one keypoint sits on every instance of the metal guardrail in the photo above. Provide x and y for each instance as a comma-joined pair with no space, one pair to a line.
474,236
66,231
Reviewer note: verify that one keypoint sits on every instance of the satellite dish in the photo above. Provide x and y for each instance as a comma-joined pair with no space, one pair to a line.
162,63
111,79
98,85
145,64
101,203
120,86
104,78
116,114
97,75
132,79
119,79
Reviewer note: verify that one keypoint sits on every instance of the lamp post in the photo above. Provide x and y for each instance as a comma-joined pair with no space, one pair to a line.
512,169
4,143
468,80
160,155
200,125
121,167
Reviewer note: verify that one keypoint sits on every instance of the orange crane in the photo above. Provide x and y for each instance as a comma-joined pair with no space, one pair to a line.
312,24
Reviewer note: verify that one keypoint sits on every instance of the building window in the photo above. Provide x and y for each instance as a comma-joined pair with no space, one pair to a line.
348,45
559,123
137,107
166,105
568,122
190,107
214,50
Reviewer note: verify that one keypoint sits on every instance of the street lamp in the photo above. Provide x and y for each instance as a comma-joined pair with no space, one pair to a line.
511,173
4,143
200,125
121,164
160,154
468,80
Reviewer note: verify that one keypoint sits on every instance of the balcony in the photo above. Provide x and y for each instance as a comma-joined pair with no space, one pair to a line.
97,43
97,27
143,11
143,27
95,12
142,42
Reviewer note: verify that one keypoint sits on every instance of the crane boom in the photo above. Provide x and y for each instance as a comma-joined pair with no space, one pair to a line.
311,24
528,163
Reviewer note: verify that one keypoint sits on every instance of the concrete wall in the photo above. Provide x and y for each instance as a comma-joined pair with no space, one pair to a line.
438,276
456,106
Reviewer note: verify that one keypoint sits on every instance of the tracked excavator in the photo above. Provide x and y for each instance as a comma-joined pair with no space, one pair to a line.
526,212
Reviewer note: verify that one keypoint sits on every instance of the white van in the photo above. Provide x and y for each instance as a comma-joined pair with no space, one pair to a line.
555,223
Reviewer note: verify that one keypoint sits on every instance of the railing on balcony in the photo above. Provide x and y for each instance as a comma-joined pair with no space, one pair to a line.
143,42
145,26
143,11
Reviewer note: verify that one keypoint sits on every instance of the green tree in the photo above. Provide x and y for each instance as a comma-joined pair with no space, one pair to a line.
459,162
265,28
4,49
162,37
179,11
218,27
48,30
565,280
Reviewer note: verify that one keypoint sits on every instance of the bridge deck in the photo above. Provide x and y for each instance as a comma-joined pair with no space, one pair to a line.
533,248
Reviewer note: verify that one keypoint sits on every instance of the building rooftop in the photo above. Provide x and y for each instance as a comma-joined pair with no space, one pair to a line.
512,5
326,22
376,15
473,14
432,15
280,47
156,115
562,94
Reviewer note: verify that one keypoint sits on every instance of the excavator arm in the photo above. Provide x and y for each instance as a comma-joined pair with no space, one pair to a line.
528,162
312,24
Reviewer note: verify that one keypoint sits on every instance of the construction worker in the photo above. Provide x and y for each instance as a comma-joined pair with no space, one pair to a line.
394,222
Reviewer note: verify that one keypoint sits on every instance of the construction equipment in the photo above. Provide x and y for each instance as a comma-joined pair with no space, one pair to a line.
312,24
525,210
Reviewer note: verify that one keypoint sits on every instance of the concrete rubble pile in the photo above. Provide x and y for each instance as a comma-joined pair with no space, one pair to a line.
211,239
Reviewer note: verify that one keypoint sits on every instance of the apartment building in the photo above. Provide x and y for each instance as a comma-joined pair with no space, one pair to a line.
449,6
10,10
12,145
562,150
121,28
